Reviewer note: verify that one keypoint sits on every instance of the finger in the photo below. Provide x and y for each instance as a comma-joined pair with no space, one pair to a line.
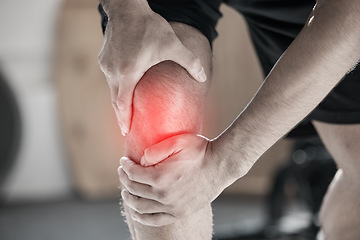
114,92
187,59
154,220
124,103
135,188
136,172
114,88
142,190
161,151
140,204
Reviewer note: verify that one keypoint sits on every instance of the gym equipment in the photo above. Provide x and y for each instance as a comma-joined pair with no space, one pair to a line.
10,130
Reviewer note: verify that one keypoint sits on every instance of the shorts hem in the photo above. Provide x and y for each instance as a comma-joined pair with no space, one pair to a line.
336,117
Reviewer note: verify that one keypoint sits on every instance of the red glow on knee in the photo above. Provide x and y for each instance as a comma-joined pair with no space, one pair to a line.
156,118
162,107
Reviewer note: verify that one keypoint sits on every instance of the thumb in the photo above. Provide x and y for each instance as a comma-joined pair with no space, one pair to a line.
160,151
187,59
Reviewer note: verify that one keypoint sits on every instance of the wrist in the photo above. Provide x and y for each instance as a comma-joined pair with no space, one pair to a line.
237,150
225,162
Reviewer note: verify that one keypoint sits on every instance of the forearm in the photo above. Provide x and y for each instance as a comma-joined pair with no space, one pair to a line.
315,62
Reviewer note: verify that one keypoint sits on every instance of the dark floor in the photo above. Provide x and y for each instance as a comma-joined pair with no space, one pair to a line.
74,219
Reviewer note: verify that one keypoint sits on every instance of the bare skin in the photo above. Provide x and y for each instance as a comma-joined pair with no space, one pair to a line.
324,51
340,212
136,39
167,102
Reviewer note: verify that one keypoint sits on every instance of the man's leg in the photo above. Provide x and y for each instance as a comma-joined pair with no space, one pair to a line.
340,212
167,101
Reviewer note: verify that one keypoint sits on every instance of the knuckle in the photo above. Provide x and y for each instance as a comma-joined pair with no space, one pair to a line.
164,197
114,104
121,104
138,207
161,195
106,66
114,69
156,181
159,184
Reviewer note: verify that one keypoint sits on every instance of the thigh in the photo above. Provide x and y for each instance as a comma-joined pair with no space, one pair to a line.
343,143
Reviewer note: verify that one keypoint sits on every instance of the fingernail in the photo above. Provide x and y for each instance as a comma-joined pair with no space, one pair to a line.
142,161
202,75
123,129
123,132
125,159
122,160
123,193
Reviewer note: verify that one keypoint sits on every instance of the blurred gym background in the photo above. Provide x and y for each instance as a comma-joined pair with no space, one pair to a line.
60,146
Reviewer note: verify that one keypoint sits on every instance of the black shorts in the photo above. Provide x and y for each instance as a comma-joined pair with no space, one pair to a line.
273,25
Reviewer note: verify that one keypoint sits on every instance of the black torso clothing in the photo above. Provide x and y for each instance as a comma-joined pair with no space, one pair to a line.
273,25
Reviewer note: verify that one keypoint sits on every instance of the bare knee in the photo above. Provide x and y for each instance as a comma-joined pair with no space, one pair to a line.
167,101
